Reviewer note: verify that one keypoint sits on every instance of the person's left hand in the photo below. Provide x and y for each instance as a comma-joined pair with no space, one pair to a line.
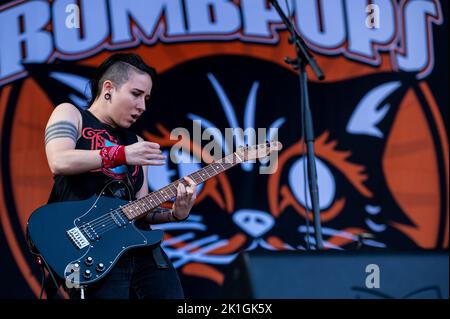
185,199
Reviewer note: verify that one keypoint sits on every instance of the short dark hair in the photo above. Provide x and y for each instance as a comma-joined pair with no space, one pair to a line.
117,69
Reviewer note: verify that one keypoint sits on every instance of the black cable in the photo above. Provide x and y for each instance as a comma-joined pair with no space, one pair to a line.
43,282
41,262
51,274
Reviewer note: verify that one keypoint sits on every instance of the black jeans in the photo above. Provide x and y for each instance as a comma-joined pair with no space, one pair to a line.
137,275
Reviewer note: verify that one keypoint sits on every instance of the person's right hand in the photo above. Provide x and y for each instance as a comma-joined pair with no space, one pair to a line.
144,153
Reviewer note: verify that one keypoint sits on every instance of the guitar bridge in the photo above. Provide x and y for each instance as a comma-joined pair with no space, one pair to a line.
77,237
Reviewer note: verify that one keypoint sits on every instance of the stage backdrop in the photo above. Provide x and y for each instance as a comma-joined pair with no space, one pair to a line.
380,120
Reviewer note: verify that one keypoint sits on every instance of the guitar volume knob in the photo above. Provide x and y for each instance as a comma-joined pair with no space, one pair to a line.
89,261
87,274
100,267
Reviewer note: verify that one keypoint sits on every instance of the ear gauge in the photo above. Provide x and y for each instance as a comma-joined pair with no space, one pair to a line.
107,96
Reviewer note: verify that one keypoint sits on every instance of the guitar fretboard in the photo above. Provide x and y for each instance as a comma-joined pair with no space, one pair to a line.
145,204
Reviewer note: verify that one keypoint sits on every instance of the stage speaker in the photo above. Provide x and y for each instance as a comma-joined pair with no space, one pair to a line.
348,275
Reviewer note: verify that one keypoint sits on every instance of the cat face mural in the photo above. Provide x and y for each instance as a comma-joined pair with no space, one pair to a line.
381,151
359,136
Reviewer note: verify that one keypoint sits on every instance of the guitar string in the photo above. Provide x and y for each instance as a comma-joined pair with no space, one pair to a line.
224,161
108,223
106,220
101,219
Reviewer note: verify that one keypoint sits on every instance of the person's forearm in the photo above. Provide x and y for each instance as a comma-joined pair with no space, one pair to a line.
160,215
72,162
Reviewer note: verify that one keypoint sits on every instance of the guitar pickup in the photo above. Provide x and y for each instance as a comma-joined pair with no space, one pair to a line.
77,238
118,219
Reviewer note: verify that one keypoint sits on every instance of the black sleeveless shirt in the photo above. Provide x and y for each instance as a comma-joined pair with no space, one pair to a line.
94,136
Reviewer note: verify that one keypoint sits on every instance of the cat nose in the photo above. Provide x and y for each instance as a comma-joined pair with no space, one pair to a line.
253,222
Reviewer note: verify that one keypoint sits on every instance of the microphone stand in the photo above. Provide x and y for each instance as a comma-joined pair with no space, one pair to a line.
303,59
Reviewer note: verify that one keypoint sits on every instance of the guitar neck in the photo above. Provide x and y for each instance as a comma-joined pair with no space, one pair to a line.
142,206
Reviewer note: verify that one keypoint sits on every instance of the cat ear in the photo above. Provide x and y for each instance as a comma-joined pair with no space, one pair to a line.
59,80
371,110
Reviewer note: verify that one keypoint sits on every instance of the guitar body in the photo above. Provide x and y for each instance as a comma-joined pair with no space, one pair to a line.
82,240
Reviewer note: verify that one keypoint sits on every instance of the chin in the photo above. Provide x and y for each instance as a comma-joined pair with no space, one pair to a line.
126,124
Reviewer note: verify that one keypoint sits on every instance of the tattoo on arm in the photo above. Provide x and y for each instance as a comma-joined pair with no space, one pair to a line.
61,129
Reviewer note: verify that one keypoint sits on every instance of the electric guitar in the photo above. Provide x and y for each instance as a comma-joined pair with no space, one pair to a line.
81,241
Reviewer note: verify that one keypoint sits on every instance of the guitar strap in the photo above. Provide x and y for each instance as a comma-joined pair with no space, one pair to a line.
121,188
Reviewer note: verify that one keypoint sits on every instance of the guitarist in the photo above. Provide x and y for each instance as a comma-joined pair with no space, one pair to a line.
87,149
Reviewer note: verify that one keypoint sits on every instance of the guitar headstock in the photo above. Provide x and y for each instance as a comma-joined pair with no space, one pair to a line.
249,153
